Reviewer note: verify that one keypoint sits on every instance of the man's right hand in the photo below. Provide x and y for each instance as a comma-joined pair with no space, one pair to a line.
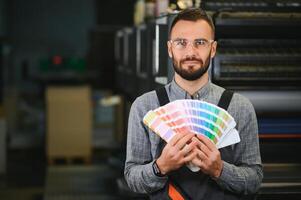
176,153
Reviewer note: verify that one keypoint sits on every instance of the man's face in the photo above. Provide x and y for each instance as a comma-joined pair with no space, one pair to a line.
191,48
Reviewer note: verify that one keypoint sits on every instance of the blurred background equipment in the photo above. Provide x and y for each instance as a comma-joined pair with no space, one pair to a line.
2,145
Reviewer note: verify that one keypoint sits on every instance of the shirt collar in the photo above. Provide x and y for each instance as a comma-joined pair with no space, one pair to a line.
180,93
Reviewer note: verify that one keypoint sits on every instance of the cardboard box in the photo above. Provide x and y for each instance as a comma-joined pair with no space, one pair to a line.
69,121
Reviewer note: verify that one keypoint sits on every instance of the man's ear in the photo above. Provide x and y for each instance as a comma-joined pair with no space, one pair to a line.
169,49
213,49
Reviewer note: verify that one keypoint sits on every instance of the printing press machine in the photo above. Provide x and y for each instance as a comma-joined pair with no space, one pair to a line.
258,55
125,54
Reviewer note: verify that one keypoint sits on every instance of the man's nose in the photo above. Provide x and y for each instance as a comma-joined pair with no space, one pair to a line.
190,49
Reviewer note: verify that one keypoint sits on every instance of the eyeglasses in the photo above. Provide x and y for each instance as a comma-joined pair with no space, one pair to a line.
199,44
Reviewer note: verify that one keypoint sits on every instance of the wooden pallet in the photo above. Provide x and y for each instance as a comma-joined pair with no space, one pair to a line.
54,160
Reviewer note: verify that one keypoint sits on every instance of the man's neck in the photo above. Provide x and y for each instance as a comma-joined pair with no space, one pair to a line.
192,86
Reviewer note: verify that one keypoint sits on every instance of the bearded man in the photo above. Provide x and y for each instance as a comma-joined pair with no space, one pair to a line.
159,169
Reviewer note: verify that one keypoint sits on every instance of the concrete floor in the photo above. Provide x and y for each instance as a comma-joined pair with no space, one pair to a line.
29,177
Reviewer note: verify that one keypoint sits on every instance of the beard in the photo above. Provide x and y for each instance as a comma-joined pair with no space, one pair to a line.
190,74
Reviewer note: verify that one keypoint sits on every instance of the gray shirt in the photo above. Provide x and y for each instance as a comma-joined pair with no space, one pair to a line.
243,177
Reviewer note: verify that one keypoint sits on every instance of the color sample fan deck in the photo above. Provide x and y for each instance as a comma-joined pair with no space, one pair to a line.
195,116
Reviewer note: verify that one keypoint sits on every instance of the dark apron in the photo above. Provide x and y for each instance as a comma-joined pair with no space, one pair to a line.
195,185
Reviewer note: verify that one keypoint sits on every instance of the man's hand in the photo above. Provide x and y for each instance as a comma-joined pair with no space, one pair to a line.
208,156
177,153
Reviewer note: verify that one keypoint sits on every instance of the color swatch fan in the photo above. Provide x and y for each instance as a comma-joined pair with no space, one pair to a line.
194,116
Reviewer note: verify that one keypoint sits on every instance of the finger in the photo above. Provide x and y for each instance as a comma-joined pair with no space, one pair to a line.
201,155
201,160
197,142
196,161
211,146
189,148
202,146
194,142
176,138
190,157
186,149
200,163
183,141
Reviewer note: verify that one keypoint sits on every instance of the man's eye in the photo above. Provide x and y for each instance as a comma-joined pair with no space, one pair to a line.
200,42
181,42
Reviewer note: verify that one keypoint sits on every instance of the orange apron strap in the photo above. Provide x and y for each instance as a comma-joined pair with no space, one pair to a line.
173,193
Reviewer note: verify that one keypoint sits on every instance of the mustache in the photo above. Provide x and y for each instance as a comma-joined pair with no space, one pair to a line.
192,59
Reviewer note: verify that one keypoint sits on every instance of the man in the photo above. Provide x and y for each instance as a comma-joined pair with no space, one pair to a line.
158,170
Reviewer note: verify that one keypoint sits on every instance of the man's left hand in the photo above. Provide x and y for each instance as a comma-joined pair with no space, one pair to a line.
208,156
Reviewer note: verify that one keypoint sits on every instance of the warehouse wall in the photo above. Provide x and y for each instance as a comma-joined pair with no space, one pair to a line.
42,28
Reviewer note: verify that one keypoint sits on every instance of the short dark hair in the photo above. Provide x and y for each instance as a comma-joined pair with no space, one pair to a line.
193,14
